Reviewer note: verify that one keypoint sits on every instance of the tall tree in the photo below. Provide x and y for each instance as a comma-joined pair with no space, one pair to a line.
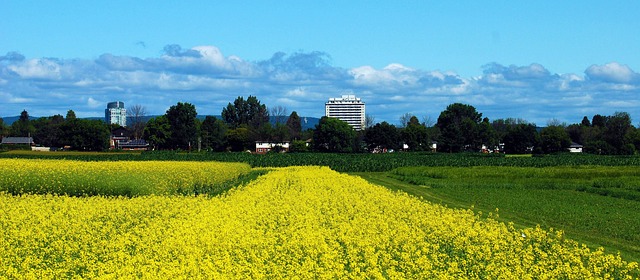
554,139
369,121
3,129
618,127
158,132
334,135
184,131
520,138
459,128
22,127
86,135
279,113
585,121
382,136
599,120
280,133
404,119
487,134
71,115
416,136
245,112
48,131
135,116
294,125
213,133
239,139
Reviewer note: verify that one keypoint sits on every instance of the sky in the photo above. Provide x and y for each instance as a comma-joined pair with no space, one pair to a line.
533,60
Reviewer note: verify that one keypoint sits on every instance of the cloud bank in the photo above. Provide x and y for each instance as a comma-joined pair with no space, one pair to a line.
303,81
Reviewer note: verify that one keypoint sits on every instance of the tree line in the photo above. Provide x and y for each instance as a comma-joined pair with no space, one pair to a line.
459,128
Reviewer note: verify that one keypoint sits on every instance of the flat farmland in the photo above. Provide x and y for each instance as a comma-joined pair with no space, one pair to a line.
598,205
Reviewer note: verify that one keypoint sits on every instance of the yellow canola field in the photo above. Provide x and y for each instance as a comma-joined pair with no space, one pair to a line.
44,176
292,223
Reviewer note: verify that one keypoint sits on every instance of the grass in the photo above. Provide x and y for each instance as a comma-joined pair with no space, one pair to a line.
557,197
221,188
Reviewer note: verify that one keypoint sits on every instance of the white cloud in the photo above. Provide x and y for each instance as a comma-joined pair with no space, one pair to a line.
613,73
302,81
92,103
37,69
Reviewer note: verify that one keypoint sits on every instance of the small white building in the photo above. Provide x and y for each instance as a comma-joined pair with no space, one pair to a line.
263,147
575,148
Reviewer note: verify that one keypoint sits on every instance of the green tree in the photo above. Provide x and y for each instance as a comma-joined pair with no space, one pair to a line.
520,138
213,133
487,134
554,139
157,132
383,136
298,146
22,127
415,135
3,129
334,135
599,121
294,125
86,135
618,127
280,133
458,126
48,131
71,115
585,121
239,139
245,112
184,131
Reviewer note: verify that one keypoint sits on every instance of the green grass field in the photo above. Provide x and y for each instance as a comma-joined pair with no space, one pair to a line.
595,205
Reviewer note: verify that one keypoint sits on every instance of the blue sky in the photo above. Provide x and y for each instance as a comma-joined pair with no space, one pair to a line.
536,60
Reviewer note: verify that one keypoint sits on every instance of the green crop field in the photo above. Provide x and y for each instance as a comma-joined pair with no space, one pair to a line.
597,205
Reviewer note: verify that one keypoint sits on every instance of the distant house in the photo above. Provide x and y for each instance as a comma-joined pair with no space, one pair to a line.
18,141
263,147
121,139
575,148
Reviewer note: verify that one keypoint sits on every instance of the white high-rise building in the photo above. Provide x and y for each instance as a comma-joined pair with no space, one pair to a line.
348,108
116,113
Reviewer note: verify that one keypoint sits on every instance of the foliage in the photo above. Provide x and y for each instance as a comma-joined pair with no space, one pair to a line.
334,135
294,125
382,136
245,112
520,138
182,121
416,136
3,129
22,127
459,128
238,139
85,135
299,146
554,139
594,203
48,131
298,222
213,132
114,178
158,132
